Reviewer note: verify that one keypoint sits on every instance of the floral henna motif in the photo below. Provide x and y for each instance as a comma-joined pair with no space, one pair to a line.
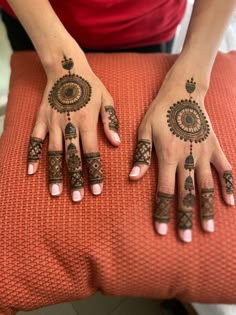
94,167
185,219
143,152
55,166
163,204
35,148
113,120
229,182
207,199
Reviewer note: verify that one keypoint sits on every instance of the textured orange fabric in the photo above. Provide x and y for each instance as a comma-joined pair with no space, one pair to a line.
53,250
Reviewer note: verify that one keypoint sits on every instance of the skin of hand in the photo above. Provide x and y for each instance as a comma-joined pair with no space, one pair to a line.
53,44
171,152
196,60
84,120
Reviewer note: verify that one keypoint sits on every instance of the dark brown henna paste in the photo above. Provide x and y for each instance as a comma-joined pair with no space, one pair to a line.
206,203
143,152
189,200
163,204
184,219
70,131
71,92
35,148
113,120
229,182
94,165
55,166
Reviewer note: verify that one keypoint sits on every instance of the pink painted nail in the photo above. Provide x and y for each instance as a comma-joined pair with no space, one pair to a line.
96,189
231,200
161,228
30,169
135,171
55,190
186,235
116,137
76,195
208,225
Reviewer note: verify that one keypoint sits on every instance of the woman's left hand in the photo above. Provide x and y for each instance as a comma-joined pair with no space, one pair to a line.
178,126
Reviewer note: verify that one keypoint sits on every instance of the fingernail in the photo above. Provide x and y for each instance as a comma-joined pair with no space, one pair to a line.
231,200
208,225
76,196
161,228
30,169
96,189
116,137
55,190
135,171
186,235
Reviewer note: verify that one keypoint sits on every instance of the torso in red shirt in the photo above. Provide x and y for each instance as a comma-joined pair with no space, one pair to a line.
118,24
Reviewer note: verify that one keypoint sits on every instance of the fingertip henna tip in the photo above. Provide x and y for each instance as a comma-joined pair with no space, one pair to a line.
116,137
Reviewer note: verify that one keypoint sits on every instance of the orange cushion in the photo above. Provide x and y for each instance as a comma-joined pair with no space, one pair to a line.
53,250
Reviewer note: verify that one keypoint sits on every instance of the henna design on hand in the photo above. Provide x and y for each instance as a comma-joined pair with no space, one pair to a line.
35,148
206,202
143,152
74,167
55,166
187,121
71,92
163,204
94,165
229,182
113,120
185,219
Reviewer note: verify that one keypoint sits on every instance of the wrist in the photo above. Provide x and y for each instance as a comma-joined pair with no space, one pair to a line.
186,66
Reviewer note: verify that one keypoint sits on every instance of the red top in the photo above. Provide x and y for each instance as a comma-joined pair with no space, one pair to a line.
118,24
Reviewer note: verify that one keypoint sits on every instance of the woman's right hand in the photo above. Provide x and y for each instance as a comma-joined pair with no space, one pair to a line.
72,101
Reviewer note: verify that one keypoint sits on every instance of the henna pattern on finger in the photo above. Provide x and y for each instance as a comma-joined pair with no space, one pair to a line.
163,204
206,202
55,166
74,165
185,219
113,120
143,152
94,165
35,147
188,122
229,182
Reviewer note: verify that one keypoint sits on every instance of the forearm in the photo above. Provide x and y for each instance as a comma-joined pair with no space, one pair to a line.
208,23
49,36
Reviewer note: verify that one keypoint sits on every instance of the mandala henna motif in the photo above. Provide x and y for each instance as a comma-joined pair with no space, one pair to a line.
229,182
113,120
207,199
71,92
163,204
184,219
187,121
94,167
143,152
55,166
35,148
